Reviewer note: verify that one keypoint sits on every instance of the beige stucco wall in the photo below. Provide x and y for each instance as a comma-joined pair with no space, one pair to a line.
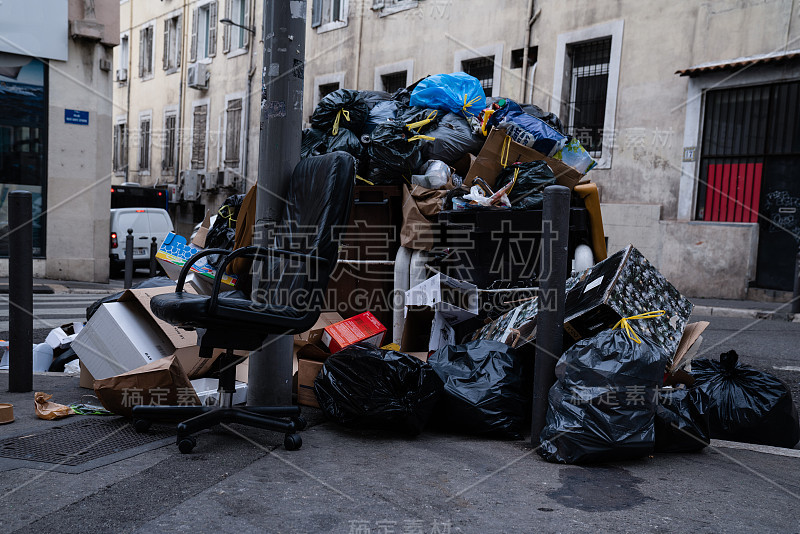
78,165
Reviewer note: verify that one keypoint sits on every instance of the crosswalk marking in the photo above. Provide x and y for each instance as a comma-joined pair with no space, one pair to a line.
50,311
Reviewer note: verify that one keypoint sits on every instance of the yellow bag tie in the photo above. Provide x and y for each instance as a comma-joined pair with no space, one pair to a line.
226,212
364,180
629,330
505,151
514,181
418,137
335,129
468,104
423,122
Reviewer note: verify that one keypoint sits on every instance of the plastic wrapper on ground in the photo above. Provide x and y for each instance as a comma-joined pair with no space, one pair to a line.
365,387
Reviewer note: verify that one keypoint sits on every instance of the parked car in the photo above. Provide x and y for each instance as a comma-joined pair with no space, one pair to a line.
146,224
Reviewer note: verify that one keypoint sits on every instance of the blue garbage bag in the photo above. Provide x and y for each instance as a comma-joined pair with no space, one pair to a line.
457,92
528,130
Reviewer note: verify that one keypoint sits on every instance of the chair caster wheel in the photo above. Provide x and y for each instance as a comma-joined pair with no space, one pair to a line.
141,425
300,422
185,445
292,442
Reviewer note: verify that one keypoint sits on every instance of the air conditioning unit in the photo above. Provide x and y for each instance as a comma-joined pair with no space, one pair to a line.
189,185
122,75
197,76
227,178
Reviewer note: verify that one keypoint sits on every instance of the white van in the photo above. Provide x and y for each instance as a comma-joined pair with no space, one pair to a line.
146,224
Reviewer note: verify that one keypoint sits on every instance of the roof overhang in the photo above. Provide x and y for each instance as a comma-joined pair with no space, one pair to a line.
741,63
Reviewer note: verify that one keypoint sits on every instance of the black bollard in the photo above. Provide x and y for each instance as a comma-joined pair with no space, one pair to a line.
20,292
153,251
552,287
129,259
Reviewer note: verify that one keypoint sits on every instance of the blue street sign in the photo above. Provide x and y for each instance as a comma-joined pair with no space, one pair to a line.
73,116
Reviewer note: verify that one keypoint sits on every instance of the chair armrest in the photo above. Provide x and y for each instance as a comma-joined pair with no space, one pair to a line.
262,253
188,265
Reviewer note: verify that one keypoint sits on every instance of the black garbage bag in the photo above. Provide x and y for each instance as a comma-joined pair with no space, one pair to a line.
61,360
343,108
602,406
746,404
373,98
382,112
681,422
453,140
391,154
313,143
157,281
222,233
346,141
365,387
484,390
528,191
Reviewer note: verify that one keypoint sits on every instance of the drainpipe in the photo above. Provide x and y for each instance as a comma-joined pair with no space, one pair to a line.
358,50
526,44
181,80
401,269
250,72
128,89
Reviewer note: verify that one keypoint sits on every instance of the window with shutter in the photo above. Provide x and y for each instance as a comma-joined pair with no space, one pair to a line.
233,132
316,14
226,28
199,123
212,29
165,58
141,53
245,22
329,15
193,46
144,143
170,138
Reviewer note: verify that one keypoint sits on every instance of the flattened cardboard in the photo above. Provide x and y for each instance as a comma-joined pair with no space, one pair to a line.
162,382
487,165
199,239
691,334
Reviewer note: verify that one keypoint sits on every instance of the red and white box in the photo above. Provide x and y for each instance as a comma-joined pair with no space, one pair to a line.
363,327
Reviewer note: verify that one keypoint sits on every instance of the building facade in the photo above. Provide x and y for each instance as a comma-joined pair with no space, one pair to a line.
188,88
55,115
690,109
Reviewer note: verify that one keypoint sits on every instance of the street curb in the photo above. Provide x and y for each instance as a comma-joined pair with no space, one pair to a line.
715,311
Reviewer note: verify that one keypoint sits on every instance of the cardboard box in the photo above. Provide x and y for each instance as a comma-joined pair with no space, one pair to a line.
514,328
307,371
125,335
62,336
425,330
199,239
455,300
364,328
86,380
625,285
175,252
207,390
487,164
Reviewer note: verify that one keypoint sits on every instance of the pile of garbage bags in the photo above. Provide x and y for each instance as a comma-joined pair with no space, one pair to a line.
444,118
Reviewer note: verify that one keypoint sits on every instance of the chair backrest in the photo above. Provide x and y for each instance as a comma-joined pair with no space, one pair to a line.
317,203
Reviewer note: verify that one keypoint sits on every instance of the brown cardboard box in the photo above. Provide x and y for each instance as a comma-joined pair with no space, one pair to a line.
487,165
125,335
87,380
307,371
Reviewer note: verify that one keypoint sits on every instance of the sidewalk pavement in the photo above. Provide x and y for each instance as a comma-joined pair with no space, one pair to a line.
349,481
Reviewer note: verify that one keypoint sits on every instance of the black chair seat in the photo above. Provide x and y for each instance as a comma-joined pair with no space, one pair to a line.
234,309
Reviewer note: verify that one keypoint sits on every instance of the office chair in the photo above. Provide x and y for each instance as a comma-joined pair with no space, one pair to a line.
294,276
